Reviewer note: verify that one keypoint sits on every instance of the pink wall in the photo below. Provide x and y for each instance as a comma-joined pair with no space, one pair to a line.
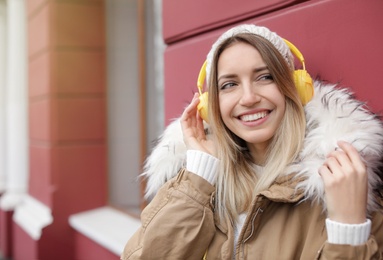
339,39
199,16
87,249
67,89
6,234
67,119
24,247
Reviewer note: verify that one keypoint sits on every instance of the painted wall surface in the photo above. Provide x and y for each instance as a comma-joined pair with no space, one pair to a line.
6,234
339,39
200,16
67,112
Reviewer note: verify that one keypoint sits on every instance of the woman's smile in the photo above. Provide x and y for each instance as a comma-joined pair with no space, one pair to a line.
254,116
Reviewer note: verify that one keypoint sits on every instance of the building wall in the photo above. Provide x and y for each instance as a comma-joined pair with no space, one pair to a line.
338,38
67,97
67,113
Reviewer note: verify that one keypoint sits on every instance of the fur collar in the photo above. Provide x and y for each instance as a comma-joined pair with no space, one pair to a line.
333,114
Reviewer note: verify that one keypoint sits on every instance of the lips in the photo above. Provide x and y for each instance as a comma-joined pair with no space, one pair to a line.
254,117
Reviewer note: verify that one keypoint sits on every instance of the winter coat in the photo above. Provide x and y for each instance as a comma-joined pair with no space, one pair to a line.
286,221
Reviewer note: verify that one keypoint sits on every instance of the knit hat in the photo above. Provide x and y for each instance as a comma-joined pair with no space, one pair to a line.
272,37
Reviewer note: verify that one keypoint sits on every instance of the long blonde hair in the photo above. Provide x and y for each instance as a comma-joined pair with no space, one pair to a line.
237,184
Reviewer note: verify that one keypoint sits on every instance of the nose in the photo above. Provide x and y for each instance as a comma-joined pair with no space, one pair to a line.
249,95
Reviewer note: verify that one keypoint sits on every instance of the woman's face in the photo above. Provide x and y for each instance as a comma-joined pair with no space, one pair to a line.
251,104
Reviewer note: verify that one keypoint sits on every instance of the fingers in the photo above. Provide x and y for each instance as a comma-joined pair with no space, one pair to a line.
338,161
191,110
325,172
341,164
192,126
200,125
345,159
188,118
345,182
353,156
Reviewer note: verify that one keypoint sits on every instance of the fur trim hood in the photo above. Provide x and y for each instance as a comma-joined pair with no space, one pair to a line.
332,115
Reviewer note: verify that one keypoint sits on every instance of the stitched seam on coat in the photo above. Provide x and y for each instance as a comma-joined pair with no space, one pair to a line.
154,211
204,205
131,252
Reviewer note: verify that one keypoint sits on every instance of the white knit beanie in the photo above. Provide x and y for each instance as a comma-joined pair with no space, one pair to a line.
272,37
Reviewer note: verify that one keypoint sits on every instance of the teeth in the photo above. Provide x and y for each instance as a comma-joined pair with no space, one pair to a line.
253,117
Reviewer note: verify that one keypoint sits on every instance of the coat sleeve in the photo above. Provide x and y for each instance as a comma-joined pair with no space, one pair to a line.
372,249
177,224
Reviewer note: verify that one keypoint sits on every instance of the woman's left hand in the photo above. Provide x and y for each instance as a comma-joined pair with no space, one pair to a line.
345,179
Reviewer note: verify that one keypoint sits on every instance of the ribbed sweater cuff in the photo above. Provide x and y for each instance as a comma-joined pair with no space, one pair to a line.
347,234
202,164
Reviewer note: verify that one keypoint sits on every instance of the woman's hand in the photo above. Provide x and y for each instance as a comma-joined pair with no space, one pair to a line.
193,129
345,179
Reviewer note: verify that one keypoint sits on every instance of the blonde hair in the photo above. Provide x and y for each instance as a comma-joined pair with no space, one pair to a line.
237,183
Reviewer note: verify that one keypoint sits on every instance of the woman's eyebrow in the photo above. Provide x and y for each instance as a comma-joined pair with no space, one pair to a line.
226,76
260,69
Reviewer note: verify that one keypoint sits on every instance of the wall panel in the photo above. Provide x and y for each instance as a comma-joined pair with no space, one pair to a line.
340,41
200,15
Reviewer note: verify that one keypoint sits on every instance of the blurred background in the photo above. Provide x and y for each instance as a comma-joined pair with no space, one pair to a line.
86,87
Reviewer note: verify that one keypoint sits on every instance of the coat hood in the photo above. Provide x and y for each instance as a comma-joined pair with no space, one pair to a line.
332,115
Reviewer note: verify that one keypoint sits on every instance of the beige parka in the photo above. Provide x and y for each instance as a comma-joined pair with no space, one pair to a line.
286,221
180,224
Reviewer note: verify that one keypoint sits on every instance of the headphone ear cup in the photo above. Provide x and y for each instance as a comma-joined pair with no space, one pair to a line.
202,106
304,84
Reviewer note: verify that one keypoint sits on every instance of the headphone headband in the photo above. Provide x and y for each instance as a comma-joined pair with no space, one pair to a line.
201,77
296,53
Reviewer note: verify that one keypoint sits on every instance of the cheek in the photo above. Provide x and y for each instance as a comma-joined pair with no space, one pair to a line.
225,108
279,100
225,113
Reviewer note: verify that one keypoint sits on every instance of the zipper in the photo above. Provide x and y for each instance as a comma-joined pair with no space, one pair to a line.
252,225
259,210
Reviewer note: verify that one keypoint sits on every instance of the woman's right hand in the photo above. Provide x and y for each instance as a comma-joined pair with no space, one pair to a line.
193,129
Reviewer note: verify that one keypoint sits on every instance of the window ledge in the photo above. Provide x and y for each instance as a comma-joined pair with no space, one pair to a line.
32,216
106,226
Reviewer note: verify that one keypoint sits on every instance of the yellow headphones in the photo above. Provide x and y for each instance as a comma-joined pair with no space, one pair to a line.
302,79
303,83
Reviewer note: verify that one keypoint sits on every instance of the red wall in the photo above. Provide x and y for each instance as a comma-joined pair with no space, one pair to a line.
199,16
6,234
67,119
340,40
25,247
87,249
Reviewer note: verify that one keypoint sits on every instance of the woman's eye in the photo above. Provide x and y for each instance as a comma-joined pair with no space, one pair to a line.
266,77
227,85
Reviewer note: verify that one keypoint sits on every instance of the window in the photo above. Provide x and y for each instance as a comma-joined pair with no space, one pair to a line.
126,120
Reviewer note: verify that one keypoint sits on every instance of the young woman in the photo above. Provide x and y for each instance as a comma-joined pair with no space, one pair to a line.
273,179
